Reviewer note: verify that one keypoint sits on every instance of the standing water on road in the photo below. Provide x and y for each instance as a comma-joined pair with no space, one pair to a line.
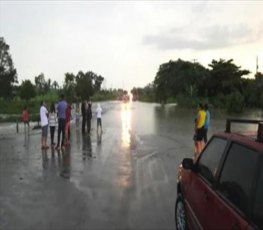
122,178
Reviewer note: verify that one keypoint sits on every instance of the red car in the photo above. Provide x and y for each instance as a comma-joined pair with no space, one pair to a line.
223,189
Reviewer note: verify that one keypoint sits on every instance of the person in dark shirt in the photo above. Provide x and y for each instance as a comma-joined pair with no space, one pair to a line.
89,116
67,126
61,108
84,115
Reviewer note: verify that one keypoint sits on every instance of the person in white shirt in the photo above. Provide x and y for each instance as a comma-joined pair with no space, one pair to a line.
98,114
52,120
44,125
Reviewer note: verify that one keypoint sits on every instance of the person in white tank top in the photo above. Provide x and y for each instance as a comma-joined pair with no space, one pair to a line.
99,115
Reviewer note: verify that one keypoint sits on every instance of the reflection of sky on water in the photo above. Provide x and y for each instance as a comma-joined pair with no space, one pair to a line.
124,165
126,124
143,118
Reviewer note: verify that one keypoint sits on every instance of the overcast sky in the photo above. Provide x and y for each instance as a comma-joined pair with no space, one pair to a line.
126,41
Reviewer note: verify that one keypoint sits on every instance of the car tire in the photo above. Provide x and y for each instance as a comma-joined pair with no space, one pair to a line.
180,214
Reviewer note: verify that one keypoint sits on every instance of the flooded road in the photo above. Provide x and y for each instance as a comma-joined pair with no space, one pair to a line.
122,178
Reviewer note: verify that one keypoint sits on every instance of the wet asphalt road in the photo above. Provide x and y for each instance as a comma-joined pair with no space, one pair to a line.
124,178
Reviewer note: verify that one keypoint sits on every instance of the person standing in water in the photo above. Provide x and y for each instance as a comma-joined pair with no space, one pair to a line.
89,116
52,118
199,128
44,125
207,122
61,108
84,115
99,115
77,114
67,126
25,117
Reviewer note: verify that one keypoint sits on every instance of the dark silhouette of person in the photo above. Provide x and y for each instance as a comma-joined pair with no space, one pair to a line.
84,115
89,116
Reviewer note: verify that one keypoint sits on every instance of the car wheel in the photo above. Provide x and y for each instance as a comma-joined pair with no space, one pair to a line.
180,214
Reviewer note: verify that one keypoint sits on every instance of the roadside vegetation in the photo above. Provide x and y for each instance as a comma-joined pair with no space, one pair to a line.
76,88
223,84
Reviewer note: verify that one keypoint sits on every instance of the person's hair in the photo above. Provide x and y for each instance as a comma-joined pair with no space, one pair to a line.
206,106
201,106
25,107
52,108
41,103
62,96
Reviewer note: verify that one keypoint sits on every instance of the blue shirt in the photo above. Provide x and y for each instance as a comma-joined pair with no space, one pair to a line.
207,119
62,105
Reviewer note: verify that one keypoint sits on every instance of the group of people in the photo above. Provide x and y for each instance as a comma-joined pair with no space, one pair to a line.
61,114
202,122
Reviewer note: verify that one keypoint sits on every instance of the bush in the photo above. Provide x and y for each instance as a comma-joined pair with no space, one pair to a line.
235,102
188,102
16,105
184,101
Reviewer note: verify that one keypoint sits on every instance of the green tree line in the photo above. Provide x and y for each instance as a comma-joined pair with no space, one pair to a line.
76,87
223,84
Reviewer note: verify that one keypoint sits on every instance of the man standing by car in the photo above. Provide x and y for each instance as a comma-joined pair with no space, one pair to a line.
199,129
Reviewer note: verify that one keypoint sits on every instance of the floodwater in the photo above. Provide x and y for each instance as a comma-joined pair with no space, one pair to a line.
122,178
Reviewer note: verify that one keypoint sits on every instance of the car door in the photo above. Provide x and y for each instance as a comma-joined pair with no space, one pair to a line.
235,188
200,194
257,213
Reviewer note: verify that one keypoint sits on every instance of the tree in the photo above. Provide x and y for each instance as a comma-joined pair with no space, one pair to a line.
40,83
97,82
87,84
27,90
180,77
55,85
225,78
47,86
69,85
8,75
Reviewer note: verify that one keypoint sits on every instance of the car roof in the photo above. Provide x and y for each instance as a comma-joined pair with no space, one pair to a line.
244,139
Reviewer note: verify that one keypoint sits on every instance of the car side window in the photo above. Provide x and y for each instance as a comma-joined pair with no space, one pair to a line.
237,175
210,158
258,202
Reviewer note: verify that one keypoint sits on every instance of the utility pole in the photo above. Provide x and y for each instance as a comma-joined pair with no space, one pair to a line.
257,65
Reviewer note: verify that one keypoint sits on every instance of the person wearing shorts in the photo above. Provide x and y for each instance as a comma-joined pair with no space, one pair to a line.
67,126
77,114
25,117
61,108
199,129
99,114
52,121
44,125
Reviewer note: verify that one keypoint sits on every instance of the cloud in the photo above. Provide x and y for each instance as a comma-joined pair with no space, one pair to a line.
212,37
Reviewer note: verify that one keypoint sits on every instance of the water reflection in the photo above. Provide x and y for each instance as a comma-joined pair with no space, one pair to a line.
44,159
65,167
26,140
126,124
51,163
86,146
99,136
